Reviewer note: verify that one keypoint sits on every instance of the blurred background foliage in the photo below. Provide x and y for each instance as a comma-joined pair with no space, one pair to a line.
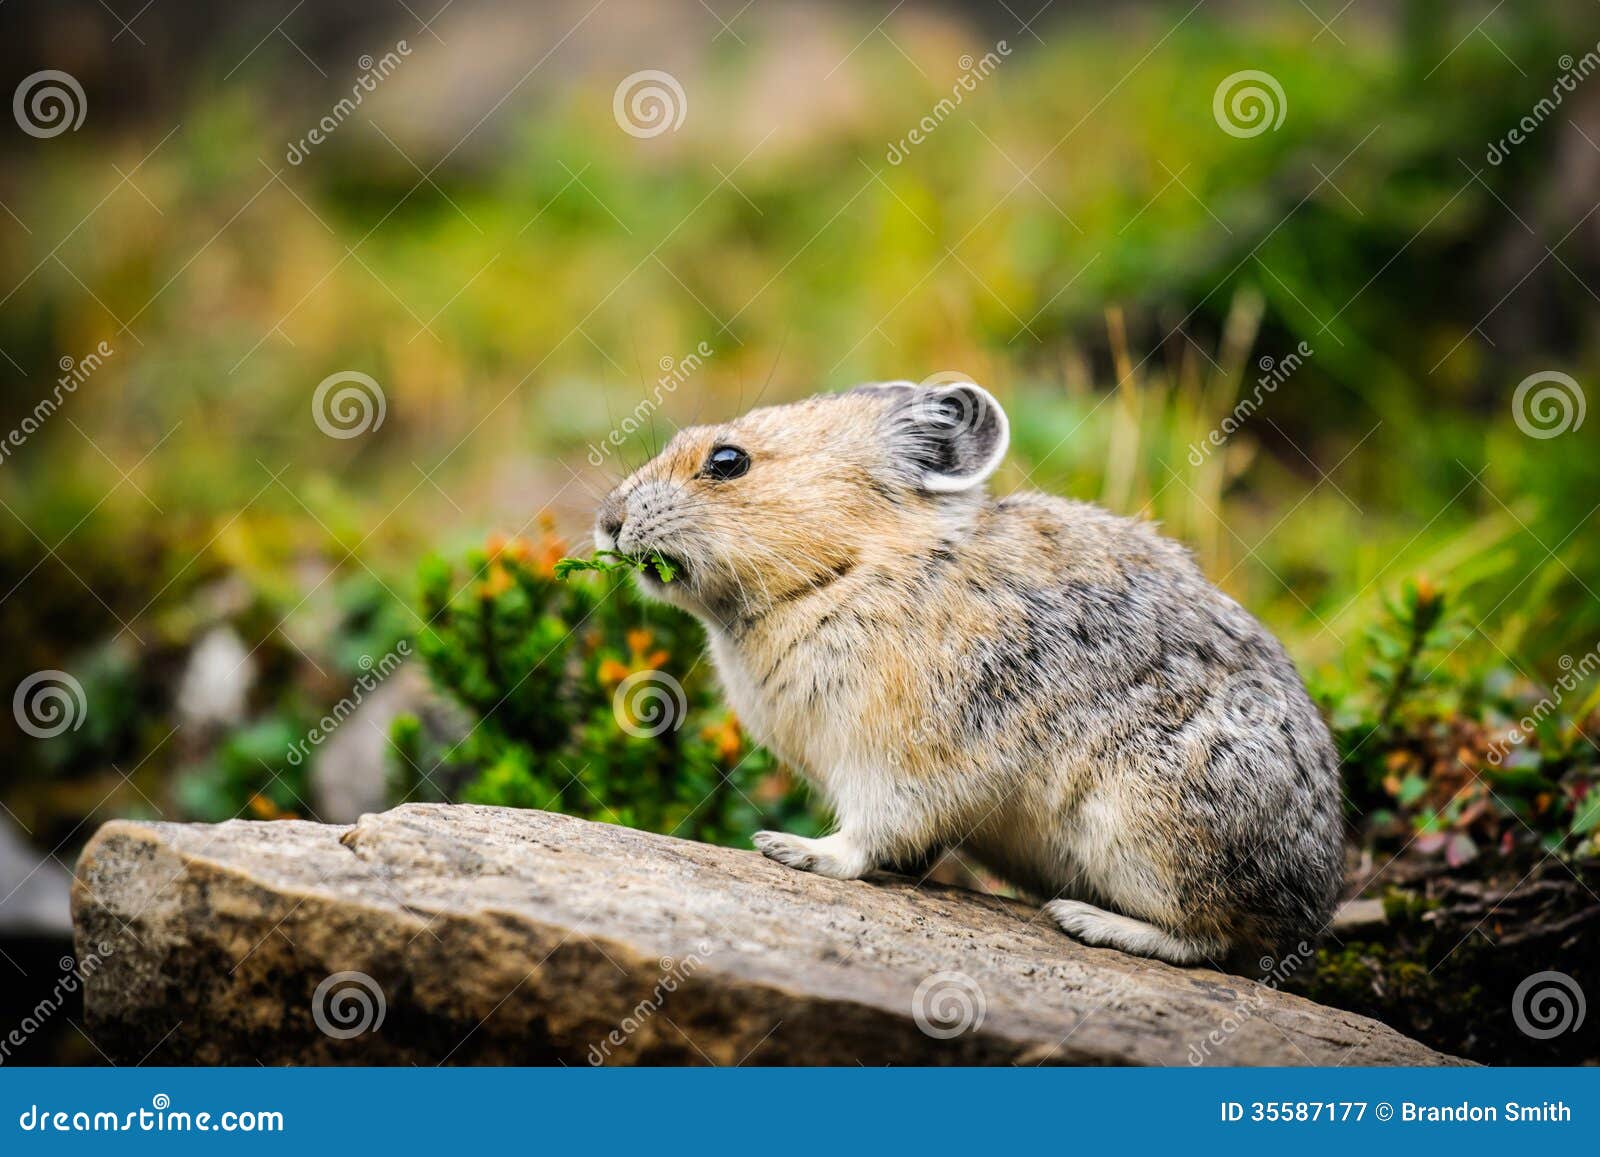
518,274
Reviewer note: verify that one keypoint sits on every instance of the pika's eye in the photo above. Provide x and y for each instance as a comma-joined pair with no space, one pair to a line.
725,463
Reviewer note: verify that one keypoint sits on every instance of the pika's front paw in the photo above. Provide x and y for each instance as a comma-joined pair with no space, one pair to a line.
833,855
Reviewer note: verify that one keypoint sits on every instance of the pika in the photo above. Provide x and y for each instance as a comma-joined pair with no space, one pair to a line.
1054,689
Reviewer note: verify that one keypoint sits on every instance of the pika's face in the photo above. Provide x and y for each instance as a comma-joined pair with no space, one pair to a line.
786,499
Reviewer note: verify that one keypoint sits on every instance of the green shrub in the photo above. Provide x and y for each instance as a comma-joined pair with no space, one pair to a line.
250,776
1452,756
587,700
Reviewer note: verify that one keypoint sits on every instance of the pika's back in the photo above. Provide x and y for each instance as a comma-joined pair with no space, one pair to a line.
1043,537
1093,641
1064,605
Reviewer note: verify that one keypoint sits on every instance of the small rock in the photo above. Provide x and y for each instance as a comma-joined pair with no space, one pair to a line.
36,891
214,690
1358,917
350,776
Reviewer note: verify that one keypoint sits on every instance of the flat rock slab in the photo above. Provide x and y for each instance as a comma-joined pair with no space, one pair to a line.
473,935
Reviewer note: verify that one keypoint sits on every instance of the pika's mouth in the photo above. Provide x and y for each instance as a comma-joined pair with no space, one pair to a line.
660,569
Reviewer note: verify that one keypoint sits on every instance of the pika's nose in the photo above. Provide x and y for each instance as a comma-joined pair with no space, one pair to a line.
612,514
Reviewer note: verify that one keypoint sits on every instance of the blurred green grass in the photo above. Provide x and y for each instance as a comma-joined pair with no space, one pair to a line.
1079,236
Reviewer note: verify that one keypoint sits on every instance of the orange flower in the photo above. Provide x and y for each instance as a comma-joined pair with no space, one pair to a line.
499,546
263,808
1398,764
726,737
550,549
640,658
639,640
498,582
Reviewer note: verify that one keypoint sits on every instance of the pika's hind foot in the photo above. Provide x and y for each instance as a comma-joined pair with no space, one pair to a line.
836,855
1105,929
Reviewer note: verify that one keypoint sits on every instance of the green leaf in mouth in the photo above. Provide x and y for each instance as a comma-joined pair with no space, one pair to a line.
607,561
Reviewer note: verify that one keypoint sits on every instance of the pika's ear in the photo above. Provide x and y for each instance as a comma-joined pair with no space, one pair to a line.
952,436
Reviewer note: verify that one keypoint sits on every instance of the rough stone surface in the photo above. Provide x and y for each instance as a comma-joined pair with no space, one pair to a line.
500,936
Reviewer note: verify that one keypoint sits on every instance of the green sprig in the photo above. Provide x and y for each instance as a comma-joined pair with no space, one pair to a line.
607,561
